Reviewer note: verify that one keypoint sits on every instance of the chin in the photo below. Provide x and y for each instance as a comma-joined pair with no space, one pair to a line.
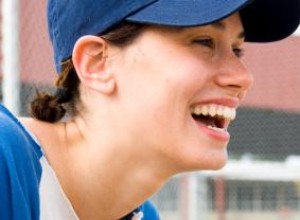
213,163
218,166
204,165
220,162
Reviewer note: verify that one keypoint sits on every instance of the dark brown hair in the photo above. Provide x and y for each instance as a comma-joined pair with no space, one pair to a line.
53,107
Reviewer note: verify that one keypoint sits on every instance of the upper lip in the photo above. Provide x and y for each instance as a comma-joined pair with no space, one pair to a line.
229,102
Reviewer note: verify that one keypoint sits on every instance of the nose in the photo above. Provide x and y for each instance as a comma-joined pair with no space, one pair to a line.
233,75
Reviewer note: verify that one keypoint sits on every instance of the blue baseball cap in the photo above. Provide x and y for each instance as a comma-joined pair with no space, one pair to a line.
263,20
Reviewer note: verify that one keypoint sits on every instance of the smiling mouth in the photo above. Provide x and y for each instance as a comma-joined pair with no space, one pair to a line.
215,117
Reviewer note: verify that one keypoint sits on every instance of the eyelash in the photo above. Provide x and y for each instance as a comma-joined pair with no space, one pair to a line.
207,42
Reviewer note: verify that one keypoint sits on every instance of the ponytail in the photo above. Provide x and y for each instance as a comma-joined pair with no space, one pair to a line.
53,107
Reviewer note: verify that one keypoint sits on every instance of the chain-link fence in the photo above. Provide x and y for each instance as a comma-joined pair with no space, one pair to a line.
265,135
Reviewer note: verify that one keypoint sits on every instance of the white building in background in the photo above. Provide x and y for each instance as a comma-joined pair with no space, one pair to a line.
242,190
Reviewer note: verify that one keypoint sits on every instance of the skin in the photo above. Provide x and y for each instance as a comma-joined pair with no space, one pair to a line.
136,128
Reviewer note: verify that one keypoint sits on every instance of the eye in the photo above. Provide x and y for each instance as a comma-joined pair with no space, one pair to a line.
239,52
207,42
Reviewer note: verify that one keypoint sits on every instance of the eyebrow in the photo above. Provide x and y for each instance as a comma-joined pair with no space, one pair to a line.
220,25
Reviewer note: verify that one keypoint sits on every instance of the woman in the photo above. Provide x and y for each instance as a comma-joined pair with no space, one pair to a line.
151,97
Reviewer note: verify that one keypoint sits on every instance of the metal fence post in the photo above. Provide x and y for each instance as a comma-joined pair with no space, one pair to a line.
10,55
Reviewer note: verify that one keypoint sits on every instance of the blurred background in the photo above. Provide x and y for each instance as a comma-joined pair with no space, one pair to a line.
261,180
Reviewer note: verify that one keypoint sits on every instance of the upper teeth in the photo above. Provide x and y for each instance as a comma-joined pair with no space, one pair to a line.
215,110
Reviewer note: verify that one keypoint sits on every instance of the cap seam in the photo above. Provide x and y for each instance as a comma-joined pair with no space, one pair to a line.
55,40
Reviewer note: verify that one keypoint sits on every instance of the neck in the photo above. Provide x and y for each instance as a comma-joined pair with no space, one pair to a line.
115,184
107,181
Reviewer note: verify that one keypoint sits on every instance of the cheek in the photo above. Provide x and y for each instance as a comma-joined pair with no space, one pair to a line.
156,95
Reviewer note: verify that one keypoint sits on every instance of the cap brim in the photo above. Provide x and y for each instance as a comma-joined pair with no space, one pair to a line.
263,20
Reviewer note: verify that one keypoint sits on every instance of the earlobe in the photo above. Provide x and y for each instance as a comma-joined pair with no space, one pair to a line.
105,86
90,62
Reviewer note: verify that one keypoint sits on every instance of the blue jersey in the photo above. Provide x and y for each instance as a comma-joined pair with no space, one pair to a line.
29,188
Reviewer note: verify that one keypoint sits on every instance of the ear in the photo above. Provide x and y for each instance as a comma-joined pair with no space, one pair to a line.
89,60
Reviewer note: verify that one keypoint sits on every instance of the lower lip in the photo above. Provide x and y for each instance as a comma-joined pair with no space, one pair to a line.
217,135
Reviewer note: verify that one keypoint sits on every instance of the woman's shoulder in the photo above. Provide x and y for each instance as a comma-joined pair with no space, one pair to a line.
36,128
46,134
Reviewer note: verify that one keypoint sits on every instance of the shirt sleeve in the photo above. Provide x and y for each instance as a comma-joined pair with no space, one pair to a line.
150,211
17,200
19,171
5,198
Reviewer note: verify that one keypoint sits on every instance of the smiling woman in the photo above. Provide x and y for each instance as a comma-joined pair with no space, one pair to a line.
146,89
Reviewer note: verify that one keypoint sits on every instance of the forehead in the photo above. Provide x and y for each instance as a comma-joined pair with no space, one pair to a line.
231,24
